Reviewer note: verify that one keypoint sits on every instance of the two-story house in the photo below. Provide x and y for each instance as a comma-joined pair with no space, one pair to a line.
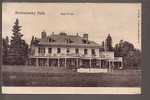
71,51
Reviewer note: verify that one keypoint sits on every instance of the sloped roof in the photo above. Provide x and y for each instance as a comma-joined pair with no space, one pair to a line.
64,39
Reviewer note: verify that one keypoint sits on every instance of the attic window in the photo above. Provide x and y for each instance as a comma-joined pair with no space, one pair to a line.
69,41
51,40
85,41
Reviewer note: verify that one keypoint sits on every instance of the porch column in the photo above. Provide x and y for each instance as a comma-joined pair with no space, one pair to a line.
80,61
113,65
100,64
118,63
65,62
47,62
77,62
37,62
90,63
121,64
109,65
58,63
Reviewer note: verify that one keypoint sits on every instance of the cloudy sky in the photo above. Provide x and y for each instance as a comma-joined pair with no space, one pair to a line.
96,19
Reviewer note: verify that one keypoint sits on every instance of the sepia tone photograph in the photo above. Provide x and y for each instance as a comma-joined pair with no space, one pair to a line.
78,48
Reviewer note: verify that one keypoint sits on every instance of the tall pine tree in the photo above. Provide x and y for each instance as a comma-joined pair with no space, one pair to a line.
5,48
18,52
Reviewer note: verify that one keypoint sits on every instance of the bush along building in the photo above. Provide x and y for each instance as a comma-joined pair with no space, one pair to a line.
72,52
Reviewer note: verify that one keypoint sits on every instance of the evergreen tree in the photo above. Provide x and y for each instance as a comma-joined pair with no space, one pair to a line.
5,48
18,52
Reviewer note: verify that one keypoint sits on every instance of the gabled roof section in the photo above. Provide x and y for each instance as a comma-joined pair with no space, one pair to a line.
65,39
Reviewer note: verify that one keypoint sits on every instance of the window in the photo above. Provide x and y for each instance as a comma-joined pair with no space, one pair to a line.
77,51
49,50
69,41
68,50
93,51
58,50
84,41
51,40
85,51
41,50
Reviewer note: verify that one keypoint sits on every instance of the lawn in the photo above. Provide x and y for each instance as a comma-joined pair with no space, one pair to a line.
117,78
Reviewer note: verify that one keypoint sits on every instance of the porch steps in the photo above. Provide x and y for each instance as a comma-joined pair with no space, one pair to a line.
92,70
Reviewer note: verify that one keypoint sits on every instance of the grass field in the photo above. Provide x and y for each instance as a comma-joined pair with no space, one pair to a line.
117,78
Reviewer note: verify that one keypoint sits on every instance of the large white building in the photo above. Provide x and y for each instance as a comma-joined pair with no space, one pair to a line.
71,51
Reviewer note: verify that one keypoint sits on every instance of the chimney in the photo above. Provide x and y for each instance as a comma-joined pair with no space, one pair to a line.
43,35
77,34
85,36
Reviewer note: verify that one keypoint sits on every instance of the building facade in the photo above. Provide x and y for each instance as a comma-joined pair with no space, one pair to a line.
72,52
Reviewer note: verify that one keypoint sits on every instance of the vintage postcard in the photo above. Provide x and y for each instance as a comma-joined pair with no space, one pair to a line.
71,48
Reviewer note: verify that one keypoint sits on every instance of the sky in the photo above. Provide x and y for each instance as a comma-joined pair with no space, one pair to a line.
96,19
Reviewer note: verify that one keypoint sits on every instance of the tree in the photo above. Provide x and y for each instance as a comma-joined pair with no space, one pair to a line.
18,51
123,47
131,56
133,59
5,48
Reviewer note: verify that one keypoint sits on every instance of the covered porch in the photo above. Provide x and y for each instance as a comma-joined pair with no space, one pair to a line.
76,62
